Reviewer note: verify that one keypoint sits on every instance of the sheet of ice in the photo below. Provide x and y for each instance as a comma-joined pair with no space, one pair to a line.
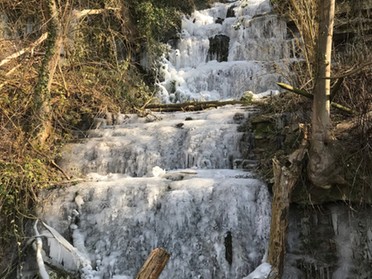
205,139
188,212
259,54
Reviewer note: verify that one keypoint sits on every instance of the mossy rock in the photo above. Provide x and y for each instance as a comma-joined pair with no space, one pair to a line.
263,126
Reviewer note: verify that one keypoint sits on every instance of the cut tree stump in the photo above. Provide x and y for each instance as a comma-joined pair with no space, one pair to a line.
154,264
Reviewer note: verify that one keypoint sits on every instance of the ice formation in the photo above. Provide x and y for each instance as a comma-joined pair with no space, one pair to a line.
206,140
224,51
188,212
176,180
161,184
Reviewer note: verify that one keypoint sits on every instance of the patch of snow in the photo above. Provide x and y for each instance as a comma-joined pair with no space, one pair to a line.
179,140
158,172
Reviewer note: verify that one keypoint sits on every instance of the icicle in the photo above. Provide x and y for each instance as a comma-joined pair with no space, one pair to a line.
62,251
334,215
369,245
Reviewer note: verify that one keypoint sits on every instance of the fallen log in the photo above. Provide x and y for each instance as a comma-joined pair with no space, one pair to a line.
154,264
192,106
310,96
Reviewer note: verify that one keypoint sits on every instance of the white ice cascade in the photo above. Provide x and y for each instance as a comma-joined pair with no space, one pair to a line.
225,51
178,180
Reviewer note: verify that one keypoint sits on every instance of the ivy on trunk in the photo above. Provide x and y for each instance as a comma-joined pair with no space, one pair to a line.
42,117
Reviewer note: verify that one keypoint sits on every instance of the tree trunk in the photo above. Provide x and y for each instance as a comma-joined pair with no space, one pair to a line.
321,159
285,180
154,264
42,122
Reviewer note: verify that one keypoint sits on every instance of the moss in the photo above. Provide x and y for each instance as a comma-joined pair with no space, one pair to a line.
263,127
247,97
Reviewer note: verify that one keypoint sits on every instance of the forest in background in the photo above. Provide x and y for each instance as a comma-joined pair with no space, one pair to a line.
98,71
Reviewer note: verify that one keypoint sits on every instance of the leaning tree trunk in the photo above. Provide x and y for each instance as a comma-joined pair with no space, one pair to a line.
321,163
42,122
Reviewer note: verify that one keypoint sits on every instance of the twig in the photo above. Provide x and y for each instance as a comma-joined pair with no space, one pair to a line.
54,164
352,71
82,13
336,87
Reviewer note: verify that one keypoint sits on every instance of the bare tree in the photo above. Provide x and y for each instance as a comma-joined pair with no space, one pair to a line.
321,167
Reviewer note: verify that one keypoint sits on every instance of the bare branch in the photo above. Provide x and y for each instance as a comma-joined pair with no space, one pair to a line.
82,13
311,96
24,50
352,70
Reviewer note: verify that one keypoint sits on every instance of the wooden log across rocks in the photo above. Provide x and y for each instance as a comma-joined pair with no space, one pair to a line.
192,106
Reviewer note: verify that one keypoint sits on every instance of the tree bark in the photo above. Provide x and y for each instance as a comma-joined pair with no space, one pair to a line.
321,159
42,122
285,181
154,264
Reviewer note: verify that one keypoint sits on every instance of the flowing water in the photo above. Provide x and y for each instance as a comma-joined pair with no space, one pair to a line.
179,180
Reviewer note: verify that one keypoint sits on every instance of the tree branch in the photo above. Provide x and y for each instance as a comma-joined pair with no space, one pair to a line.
154,264
24,50
82,13
311,96
353,71
38,246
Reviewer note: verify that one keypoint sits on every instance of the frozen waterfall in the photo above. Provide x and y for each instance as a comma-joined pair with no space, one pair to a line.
180,180
174,182
225,51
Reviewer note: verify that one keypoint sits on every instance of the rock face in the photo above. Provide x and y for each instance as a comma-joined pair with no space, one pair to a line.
329,241
218,48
